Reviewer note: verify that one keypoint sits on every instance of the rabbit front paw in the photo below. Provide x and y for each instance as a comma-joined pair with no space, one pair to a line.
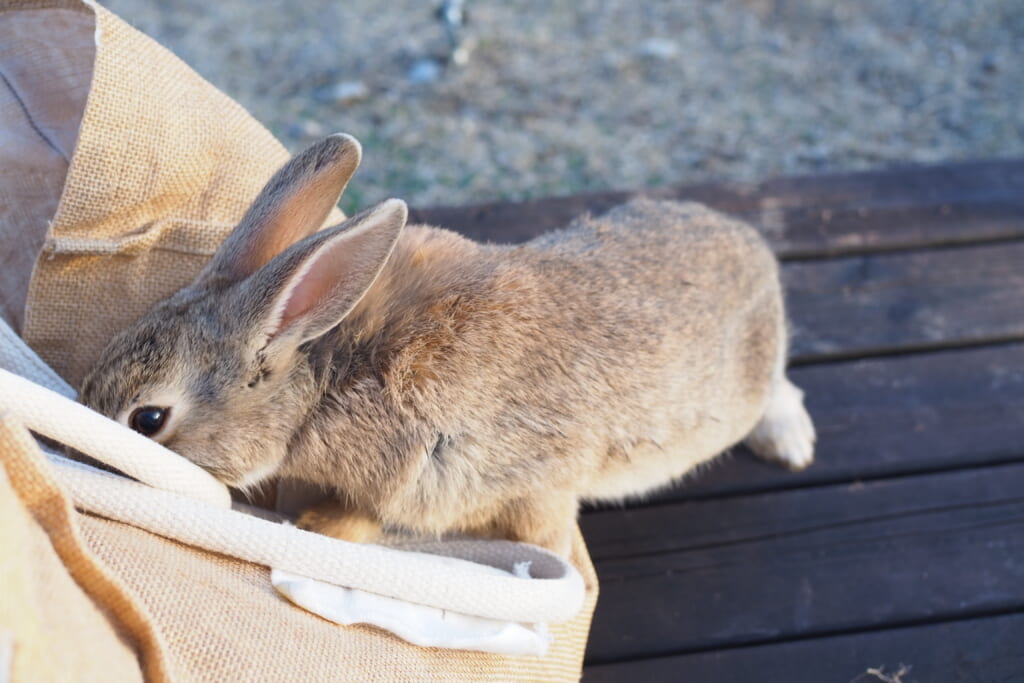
334,519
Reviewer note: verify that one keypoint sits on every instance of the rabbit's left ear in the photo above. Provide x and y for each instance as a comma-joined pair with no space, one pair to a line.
311,287
293,205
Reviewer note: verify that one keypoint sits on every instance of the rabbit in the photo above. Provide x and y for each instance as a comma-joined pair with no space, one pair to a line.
434,384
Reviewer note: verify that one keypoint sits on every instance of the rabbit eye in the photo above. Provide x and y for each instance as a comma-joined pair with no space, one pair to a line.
148,420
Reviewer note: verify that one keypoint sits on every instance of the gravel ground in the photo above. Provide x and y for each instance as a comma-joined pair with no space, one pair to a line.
563,96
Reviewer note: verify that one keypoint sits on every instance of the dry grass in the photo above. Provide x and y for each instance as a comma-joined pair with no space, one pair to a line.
573,95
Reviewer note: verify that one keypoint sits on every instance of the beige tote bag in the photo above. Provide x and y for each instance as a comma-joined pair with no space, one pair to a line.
121,170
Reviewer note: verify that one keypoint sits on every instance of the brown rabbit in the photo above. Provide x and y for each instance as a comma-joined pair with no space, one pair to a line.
435,384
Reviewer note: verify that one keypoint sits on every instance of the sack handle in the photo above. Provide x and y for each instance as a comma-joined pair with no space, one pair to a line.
72,424
186,504
46,406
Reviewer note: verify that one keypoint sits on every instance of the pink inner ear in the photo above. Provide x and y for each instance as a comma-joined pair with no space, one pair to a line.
314,285
333,279
342,265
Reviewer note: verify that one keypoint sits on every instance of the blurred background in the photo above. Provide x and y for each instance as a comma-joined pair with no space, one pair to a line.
563,96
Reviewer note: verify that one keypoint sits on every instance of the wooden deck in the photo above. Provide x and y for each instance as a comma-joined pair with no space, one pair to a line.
903,545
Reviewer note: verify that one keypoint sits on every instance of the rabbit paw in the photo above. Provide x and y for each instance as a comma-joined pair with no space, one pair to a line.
785,434
333,519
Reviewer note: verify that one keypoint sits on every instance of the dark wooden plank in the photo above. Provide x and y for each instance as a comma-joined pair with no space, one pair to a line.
878,303
969,651
888,417
804,216
702,575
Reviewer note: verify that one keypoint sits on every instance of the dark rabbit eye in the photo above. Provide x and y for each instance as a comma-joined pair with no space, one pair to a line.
148,420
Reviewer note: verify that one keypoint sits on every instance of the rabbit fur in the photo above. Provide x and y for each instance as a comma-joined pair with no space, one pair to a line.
436,384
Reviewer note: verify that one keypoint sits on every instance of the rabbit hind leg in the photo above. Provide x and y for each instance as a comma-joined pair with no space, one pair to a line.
545,521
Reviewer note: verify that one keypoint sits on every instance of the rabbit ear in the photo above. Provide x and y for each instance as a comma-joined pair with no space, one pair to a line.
312,286
293,205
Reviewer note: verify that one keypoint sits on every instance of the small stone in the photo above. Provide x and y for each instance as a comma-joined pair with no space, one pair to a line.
990,63
345,91
462,52
460,56
312,129
424,71
658,48
816,154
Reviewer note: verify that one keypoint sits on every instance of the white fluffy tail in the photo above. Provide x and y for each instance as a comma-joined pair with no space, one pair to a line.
785,433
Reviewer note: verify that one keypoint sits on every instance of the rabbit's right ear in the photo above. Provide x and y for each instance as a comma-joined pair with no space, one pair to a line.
314,284
292,206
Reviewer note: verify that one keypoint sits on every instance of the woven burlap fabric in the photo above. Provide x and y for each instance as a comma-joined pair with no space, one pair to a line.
223,622
163,167
194,615
70,618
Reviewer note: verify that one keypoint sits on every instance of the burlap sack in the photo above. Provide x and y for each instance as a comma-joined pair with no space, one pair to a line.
189,614
50,626
120,172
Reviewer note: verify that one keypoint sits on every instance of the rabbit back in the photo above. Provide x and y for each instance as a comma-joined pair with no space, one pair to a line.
678,312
